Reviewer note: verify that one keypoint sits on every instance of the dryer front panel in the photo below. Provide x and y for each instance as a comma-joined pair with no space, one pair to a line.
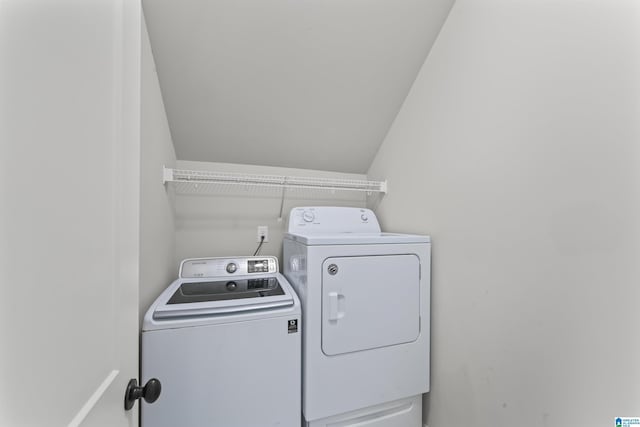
369,302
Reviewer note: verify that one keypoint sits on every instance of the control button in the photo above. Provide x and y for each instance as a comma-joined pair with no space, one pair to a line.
232,286
364,217
308,216
231,268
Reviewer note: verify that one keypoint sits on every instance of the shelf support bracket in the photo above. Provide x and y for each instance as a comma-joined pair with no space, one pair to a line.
284,189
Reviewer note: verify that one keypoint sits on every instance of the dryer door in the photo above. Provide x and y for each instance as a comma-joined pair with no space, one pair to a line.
369,302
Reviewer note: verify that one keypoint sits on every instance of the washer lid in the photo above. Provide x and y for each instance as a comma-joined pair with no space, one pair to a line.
225,290
356,238
192,298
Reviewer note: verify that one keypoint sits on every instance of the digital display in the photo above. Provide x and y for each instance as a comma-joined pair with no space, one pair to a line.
258,266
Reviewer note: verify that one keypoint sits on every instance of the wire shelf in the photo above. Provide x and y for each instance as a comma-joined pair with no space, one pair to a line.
204,181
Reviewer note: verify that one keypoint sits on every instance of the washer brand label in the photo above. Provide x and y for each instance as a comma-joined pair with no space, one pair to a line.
292,326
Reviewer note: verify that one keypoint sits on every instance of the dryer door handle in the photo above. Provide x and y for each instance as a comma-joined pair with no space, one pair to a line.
336,306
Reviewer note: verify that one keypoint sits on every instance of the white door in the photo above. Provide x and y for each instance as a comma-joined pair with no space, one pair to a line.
369,302
69,190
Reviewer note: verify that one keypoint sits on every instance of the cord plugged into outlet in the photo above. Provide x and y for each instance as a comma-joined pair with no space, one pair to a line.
263,232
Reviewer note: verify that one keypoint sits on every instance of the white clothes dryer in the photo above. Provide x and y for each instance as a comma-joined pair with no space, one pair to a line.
365,299
224,341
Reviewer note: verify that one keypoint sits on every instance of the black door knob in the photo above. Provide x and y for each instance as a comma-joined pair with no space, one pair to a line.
150,392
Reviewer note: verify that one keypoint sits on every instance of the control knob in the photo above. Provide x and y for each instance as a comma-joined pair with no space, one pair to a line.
308,216
231,268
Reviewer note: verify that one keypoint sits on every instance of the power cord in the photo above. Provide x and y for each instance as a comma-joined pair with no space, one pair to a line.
259,246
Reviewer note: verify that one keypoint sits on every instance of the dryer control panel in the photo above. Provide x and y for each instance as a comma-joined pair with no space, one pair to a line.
331,219
227,267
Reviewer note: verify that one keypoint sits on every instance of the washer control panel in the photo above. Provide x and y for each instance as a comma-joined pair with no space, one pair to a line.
330,219
227,267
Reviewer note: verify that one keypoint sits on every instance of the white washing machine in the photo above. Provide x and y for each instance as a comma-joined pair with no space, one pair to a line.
365,299
224,341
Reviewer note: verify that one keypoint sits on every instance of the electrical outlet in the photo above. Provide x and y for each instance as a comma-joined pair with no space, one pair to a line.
263,230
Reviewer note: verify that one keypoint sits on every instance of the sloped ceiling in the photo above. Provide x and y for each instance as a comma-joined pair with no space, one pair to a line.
311,84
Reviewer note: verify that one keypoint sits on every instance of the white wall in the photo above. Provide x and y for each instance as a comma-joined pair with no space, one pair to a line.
224,222
518,151
157,229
